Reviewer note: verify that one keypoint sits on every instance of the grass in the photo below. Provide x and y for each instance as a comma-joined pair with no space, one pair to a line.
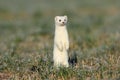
27,34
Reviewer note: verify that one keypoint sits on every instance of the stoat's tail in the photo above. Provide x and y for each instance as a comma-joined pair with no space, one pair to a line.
73,59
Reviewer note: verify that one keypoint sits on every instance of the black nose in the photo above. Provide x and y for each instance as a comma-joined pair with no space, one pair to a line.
63,22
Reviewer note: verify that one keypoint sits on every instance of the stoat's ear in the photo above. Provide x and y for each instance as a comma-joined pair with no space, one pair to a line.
56,18
65,16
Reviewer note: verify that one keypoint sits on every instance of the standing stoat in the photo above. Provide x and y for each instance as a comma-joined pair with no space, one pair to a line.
61,42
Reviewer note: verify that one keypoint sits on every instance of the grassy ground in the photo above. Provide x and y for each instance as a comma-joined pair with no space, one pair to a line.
27,32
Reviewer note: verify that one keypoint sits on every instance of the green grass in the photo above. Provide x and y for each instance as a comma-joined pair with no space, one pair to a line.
27,34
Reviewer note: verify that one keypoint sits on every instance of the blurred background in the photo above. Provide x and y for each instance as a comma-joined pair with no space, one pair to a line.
27,26
20,18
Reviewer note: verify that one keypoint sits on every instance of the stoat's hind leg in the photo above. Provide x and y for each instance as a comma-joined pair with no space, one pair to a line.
56,64
66,64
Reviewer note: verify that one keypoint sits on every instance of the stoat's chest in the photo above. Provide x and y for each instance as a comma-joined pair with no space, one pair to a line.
61,34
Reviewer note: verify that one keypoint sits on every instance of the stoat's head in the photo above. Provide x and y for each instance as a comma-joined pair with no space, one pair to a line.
61,20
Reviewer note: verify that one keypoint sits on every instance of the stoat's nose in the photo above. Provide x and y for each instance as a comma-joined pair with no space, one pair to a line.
63,22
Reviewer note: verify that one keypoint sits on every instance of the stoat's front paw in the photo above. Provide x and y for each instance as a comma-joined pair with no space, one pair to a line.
60,47
66,46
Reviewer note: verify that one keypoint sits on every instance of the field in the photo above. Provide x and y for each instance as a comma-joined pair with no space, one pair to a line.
27,33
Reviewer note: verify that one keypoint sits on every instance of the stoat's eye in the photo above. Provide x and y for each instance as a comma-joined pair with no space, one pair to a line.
64,19
59,20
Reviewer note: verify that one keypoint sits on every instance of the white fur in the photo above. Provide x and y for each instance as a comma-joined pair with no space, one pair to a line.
61,42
